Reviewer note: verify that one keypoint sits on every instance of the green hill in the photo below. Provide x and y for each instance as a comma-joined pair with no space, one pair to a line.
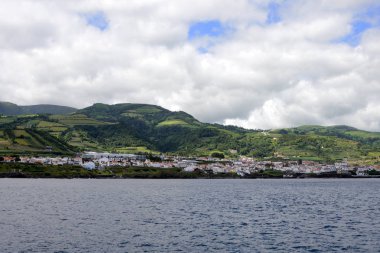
7,108
150,128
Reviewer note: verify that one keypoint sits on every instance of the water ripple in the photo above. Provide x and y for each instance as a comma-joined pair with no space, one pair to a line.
314,215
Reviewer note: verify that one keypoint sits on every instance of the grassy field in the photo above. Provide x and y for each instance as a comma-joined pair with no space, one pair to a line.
226,131
80,140
173,122
363,134
4,142
147,109
313,147
5,119
48,124
77,120
132,115
20,133
21,141
135,150
53,128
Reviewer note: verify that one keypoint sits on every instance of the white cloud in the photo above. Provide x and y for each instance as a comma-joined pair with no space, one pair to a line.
260,75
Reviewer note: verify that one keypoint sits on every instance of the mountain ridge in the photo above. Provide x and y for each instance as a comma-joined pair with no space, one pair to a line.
9,109
132,128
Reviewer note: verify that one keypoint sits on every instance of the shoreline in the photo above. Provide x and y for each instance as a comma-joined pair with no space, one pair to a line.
19,170
216,177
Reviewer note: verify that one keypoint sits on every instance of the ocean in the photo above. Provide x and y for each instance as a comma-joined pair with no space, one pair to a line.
231,215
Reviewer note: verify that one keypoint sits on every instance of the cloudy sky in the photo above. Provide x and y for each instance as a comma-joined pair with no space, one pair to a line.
252,63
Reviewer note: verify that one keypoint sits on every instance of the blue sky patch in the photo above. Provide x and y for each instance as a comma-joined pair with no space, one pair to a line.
97,19
358,27
273,13
203,50
368,19
372,13
211,28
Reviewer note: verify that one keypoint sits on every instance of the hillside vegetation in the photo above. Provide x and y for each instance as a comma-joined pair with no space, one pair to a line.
142,128
9,109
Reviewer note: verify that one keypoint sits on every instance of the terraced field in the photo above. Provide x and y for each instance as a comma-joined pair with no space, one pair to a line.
55,129
77,120
5,120
173,122
79,139
147,109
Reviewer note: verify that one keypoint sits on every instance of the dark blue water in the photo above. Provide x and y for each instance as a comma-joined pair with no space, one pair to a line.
316,215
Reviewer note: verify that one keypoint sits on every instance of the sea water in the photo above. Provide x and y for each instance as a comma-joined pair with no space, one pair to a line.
112,215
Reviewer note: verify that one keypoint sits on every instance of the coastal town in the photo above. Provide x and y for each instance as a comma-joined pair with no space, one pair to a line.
243,166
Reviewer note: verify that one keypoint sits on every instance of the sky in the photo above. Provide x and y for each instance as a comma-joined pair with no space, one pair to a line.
259,64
